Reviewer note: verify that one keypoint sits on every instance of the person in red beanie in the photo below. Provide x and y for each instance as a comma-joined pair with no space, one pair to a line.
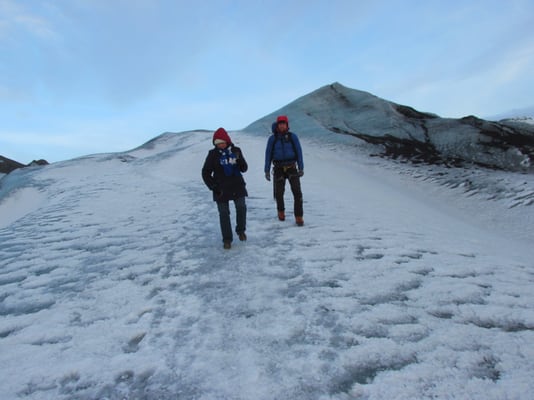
285,153
222,174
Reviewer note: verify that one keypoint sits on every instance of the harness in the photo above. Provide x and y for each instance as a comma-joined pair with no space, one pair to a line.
285,168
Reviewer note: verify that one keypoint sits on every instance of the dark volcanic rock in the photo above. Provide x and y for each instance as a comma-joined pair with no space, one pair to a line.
7,165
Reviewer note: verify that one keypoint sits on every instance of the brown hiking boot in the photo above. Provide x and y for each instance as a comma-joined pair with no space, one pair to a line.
299,221
227,245
242,236
281,216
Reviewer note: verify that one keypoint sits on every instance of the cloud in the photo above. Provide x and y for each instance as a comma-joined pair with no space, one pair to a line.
520,63
16,19
36,26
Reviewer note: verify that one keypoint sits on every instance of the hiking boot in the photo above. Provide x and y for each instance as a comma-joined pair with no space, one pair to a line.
281,216
242,236
227,245
299,221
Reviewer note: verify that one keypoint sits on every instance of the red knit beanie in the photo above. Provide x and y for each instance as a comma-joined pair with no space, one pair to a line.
282,118
221,134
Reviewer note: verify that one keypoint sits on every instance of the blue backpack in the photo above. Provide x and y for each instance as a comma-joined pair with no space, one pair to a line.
288,137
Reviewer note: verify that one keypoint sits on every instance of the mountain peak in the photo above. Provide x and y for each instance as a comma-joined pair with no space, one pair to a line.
402,131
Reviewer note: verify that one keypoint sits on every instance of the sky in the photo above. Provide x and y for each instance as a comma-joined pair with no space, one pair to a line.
86,76
114,283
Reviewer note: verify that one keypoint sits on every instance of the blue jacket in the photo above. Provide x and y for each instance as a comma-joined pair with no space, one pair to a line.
281,150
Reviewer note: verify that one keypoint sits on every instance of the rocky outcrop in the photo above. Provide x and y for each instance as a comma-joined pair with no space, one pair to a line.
7,165
38,162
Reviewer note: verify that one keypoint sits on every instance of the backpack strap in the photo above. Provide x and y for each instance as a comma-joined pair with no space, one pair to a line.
293,144
272,146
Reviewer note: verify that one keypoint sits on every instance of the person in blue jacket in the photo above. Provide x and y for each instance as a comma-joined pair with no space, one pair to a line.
284,152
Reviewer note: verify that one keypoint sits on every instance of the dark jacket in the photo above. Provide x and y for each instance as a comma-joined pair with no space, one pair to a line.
226,183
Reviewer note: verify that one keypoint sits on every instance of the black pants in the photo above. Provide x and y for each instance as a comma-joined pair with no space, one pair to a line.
281,173
224,218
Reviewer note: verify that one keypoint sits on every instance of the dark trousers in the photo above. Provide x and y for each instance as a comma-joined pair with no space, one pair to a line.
224,218
281,173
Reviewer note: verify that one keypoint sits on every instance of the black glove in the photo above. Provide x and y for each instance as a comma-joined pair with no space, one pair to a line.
237,153
301,172
268,176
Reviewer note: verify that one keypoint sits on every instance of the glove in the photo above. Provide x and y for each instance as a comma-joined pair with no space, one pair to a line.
301,173
268,176
237,154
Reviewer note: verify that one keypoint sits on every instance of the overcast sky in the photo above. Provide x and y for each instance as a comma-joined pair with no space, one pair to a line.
86,76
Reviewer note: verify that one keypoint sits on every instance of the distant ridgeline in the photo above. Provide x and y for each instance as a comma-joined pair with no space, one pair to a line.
339,115
7,165
398,131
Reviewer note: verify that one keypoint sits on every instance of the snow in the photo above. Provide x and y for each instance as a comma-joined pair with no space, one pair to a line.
19,204
405,282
